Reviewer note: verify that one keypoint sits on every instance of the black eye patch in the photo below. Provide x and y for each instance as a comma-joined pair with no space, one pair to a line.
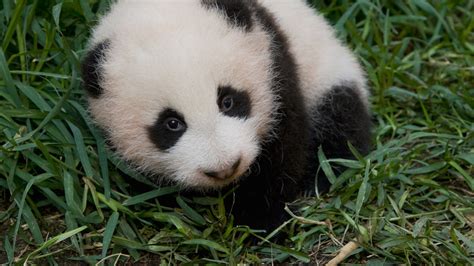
167,130
233,103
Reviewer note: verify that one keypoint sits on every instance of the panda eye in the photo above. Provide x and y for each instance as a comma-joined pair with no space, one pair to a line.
227,103
233,103
174,124
167,129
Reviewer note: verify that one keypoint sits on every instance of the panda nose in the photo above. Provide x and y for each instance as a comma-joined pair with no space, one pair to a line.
226,173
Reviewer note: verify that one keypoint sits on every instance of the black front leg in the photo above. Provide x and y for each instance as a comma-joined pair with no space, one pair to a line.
258,210
276,176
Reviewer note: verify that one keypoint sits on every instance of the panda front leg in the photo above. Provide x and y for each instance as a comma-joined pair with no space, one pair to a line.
258,210
341,116
276,177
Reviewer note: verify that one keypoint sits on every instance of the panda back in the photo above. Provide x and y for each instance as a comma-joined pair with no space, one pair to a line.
323,62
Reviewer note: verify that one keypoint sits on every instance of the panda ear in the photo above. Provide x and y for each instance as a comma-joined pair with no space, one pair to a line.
238,12
91,69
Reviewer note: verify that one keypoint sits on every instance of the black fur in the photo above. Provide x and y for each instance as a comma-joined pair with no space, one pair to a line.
277,175
338,118
91,72
341,117
237,12
162,137
241,102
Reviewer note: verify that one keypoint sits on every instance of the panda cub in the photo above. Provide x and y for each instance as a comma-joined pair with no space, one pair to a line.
213,94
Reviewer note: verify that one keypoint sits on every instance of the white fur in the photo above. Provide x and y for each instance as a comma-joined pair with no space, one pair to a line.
176,53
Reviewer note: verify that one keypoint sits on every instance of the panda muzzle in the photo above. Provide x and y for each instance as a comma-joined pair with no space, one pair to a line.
225,173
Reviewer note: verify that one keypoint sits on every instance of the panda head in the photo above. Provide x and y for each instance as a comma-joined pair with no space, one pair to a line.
181,91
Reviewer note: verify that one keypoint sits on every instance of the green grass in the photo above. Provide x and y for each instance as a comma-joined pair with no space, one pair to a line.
410,201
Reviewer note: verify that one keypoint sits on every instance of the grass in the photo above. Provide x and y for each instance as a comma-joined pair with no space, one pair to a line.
411,201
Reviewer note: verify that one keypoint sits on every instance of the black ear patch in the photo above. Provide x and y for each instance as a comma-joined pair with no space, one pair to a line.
161,134
238,13
91,72
240,102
